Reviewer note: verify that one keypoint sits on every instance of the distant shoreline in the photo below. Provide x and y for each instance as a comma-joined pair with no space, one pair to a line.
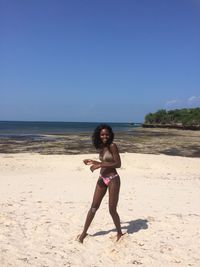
172,126
184,119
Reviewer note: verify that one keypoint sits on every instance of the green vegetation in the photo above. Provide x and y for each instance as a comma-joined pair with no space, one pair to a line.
178,117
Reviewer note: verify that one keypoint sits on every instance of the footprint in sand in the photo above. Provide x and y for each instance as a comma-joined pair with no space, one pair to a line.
136,262
79,169
151,219
122,238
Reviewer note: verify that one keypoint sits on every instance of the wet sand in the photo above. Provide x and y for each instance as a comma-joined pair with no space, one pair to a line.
140,140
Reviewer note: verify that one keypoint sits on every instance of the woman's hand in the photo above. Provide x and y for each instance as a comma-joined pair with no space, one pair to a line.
95,164
88,161
95,167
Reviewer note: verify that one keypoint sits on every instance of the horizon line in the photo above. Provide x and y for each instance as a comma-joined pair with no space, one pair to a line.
130,122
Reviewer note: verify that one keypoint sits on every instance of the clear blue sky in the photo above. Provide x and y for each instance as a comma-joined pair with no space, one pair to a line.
98,60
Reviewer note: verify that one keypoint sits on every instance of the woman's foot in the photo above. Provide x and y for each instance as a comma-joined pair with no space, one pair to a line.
81,237
119,236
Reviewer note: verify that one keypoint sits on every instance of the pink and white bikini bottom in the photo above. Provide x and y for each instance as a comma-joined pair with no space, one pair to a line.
107,179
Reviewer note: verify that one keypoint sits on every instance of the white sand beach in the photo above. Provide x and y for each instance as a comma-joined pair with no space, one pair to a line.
44,200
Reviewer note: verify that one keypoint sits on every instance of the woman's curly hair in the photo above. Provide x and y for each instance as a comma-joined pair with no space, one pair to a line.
96,135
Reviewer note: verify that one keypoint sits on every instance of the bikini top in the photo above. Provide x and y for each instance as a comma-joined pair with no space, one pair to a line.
107,156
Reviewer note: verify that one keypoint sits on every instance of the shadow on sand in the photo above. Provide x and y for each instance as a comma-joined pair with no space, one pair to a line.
132,227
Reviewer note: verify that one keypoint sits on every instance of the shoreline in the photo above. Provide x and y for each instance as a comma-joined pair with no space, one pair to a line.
172,126
140,140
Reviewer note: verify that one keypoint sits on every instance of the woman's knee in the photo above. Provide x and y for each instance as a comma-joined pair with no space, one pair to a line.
94,208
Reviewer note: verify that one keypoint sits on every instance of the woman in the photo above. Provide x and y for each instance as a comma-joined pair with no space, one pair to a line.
109,160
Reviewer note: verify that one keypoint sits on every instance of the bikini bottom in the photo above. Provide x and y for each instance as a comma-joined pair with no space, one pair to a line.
106,179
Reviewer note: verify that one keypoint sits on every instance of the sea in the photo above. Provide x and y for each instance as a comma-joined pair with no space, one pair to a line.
23,128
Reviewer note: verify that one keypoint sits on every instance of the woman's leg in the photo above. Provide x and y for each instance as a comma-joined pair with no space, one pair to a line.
99,193
114,187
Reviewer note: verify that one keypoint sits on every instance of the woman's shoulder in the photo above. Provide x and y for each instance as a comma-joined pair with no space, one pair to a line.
113,146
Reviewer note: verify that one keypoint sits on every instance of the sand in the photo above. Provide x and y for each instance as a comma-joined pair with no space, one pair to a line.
44,200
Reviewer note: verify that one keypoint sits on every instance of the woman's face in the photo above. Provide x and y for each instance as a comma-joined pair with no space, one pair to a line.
104,136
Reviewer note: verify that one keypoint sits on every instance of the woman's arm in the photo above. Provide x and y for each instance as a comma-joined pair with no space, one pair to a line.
116,163
90,162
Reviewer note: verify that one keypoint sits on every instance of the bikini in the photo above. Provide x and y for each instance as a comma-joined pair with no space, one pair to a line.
106,179
107,156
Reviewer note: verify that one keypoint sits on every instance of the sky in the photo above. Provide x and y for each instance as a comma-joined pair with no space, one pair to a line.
98,60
